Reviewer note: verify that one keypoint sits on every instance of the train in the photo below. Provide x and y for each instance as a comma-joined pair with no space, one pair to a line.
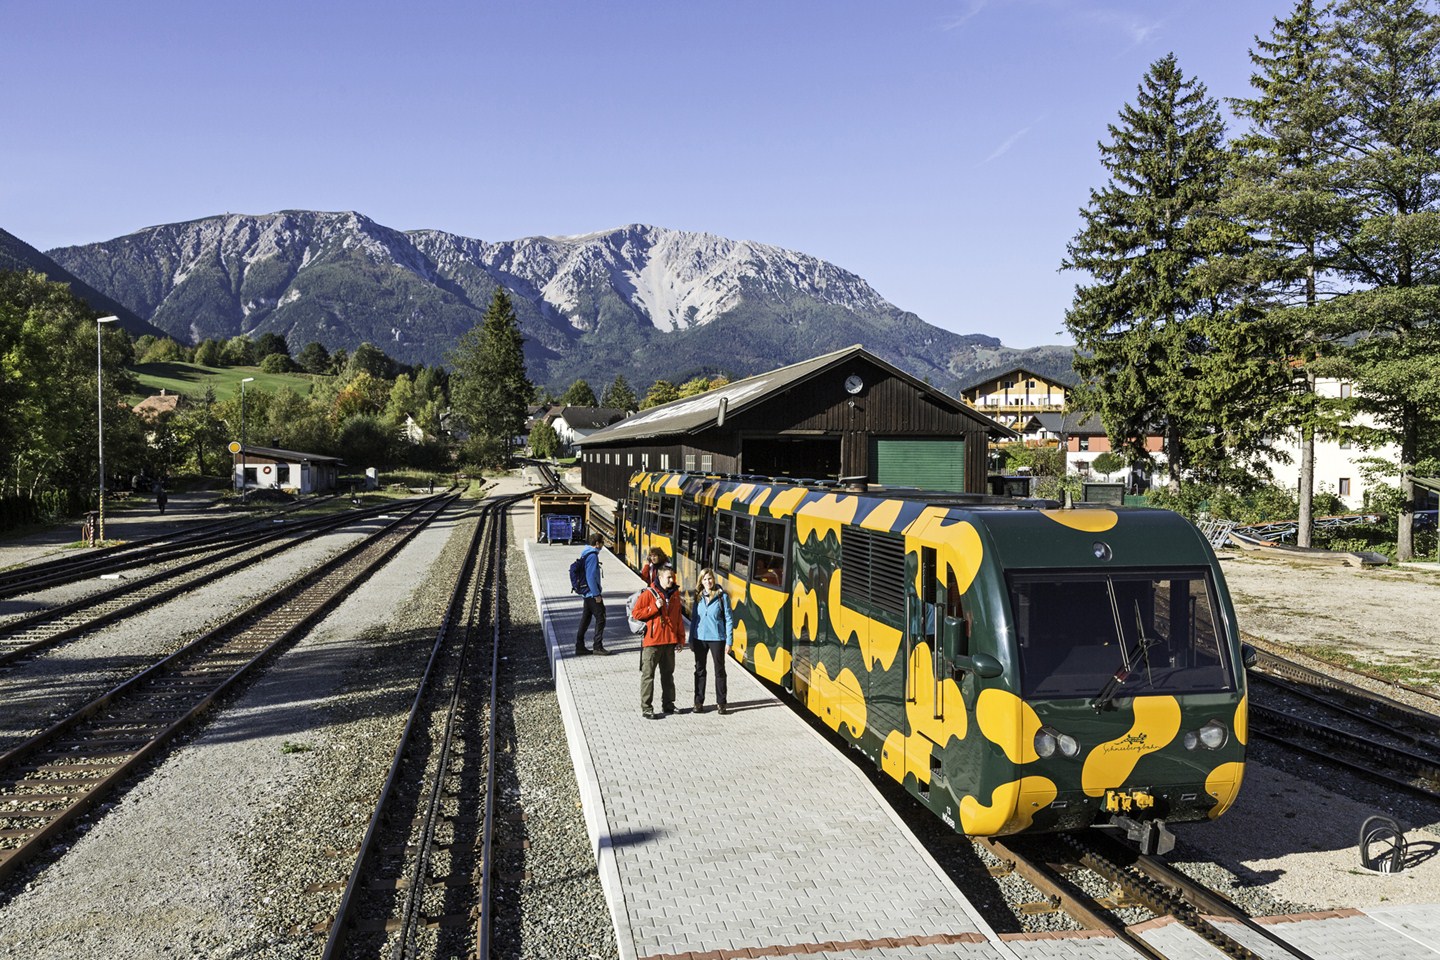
1019,665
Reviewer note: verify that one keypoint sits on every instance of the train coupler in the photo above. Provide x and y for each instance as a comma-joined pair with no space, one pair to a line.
1152,837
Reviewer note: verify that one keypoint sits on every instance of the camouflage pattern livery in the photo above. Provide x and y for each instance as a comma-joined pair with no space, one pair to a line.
1016,665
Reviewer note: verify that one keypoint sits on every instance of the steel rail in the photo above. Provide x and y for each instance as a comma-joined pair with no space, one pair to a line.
485,921
1422,769
465,595
1203,898
107,606
52,573
1372,713
1071,898
114,734
1275,651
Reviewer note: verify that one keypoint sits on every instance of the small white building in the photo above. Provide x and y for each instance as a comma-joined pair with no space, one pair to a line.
1337,464
574,424
269,468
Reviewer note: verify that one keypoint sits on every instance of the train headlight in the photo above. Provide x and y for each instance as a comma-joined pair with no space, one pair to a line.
1048,740
1045,742
1213,735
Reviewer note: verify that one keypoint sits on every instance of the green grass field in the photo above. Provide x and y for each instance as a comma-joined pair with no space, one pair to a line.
192,379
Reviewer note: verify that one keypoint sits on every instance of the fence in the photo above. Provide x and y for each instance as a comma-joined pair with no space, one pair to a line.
48,507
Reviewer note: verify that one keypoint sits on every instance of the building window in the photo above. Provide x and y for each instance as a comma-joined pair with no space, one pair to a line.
1344,486
707,463
1084,443
1344,391
631,460
689,463
644,461
282,474
1030,384
664,461
1007,385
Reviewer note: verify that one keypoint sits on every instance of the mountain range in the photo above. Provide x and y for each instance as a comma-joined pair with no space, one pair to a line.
644,301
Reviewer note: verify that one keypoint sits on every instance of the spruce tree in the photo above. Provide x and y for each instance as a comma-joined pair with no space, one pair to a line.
1388,78
619,395
1283,186
489,387
1168,342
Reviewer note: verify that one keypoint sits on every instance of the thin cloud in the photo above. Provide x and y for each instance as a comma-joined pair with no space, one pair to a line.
957,20
1137,29
1005,146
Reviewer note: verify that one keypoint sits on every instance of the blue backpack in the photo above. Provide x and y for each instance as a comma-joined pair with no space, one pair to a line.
578,582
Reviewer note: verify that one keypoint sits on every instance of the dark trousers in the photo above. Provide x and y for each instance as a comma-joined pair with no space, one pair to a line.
594,608
709,650
661,658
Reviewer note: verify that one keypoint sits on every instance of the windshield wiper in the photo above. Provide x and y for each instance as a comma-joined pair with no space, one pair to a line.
1127,654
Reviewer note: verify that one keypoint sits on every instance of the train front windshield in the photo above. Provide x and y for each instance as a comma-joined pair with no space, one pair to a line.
1119,634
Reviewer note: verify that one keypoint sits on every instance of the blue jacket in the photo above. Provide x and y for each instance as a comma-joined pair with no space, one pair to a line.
712,620
591,556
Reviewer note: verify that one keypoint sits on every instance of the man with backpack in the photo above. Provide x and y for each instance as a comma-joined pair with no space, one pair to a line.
585,580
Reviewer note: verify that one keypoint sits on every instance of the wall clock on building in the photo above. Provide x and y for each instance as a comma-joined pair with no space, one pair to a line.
853,384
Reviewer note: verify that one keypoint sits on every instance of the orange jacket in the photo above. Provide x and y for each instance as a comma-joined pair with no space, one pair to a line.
662,616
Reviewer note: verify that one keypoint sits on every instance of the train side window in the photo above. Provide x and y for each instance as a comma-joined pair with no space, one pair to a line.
768,556
726,529
665,522
689,542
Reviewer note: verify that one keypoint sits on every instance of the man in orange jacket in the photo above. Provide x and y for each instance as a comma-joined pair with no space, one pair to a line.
659,607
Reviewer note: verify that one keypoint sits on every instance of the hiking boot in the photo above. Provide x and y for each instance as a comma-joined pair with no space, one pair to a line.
722,710
699,707
581,650
600,649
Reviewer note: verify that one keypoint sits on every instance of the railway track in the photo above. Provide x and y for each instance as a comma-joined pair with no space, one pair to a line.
32,633
49,781
1135,880
423,871
1327,718
46,574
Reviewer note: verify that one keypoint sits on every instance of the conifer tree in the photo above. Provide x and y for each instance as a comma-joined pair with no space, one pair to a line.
1167,342
619,395
1283,185
489,388
1388,78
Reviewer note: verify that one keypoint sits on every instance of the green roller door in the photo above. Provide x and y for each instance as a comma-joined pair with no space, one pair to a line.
928,464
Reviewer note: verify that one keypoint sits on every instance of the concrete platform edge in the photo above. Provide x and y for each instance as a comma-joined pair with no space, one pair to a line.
592,803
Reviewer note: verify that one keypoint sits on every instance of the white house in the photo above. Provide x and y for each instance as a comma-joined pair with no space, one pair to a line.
269,468
573,424
1337,465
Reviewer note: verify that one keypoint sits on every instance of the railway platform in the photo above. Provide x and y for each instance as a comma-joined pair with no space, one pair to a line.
749,835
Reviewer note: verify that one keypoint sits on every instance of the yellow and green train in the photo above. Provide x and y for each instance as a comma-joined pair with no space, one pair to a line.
1017,665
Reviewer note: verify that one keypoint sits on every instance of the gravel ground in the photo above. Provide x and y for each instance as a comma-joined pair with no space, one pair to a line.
195,859
39,690
237,842
558,910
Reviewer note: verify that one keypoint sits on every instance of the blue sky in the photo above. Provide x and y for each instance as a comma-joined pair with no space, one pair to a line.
940,150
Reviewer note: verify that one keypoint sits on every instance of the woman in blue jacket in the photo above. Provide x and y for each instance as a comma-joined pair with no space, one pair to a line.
712,628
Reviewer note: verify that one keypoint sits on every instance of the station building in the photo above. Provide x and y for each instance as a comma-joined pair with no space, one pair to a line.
270,468
846,414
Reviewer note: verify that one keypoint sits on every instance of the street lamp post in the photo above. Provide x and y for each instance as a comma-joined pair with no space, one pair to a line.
100,425
244,487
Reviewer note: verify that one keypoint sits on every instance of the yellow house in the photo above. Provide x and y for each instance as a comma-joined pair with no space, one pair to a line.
1013,397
